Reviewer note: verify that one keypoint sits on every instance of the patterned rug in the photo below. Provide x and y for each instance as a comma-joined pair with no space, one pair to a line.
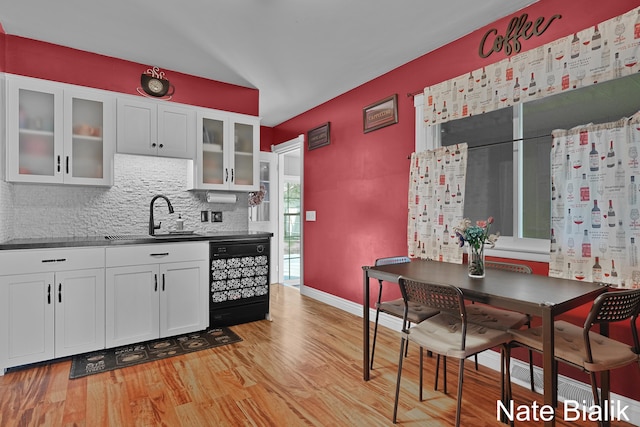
120,357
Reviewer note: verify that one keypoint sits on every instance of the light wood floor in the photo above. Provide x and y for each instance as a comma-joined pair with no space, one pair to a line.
301,369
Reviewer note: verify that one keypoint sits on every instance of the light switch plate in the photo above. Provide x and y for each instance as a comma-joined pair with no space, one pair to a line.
216,216
310,215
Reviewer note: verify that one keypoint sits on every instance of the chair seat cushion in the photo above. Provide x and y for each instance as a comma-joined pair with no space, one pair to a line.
569,346
442,334
417,312
494,317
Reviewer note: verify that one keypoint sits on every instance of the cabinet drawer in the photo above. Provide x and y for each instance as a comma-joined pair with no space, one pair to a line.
45,260
156,253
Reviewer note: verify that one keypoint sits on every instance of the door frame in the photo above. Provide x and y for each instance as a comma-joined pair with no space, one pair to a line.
282,149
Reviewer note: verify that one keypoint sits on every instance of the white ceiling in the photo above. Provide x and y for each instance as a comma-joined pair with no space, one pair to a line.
297,53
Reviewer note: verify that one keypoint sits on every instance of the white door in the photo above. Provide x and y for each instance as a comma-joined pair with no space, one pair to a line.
132,306
264,217
27,303
181,294
290,209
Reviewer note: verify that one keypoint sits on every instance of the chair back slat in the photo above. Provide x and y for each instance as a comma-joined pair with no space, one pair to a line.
509,266
442,297
614,306
392,260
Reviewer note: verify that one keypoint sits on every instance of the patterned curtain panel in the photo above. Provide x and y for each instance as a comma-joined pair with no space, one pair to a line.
436,203
604,52
595,208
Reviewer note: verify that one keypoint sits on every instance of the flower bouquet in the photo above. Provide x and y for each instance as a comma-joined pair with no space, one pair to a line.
476,237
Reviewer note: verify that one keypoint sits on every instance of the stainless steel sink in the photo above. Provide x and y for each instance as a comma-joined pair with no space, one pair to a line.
127,236
175,235
161,236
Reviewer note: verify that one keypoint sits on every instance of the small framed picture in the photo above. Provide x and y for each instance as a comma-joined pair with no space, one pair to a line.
319,136
380,114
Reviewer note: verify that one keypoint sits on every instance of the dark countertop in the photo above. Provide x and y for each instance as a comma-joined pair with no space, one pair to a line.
128,239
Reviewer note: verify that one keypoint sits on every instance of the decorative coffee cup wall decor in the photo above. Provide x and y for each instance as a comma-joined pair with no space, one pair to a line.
153,83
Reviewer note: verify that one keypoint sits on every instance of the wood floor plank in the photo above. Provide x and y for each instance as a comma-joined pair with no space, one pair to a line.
303,368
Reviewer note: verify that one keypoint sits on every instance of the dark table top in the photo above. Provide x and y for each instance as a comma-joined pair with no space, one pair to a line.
528,293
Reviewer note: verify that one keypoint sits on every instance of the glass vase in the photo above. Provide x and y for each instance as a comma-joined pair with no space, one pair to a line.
476,261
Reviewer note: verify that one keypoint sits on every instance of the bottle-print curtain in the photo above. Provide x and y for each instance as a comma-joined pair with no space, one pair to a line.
603,52
436,203
595,205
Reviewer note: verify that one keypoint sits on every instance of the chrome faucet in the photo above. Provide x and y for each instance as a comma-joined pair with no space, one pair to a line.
152,224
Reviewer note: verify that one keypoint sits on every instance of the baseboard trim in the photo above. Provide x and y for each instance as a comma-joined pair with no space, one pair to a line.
568,388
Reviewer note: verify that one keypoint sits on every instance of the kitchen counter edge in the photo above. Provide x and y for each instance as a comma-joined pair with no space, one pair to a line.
83,241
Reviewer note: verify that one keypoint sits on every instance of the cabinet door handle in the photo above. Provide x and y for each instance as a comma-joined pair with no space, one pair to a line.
58,163
226,176
232,175
59,292
67,164
161,145
153,144
162,282
159,254
49,294
155,278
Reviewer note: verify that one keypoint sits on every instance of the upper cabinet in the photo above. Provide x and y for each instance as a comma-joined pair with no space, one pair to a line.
155,129
227,147
59,133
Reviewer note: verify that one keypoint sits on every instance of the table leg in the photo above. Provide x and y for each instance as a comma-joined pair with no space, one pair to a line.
365,325
549,365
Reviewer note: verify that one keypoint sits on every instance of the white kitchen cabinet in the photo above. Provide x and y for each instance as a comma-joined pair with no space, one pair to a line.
156,291
227,149
59,133
155,128
55,310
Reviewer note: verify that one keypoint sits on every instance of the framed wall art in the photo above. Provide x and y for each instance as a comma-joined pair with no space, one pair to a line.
319,136
380,114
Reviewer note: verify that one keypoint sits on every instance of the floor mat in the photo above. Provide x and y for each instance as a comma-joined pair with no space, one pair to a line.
129,355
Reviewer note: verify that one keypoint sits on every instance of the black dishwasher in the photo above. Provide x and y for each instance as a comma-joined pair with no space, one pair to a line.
239,291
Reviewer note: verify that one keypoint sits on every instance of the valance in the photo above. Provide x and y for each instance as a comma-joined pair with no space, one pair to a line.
603,52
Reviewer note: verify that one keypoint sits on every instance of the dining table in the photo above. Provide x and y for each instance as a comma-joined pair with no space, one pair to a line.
533,294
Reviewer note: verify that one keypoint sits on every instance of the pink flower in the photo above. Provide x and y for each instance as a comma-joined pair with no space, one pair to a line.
482,224
490,220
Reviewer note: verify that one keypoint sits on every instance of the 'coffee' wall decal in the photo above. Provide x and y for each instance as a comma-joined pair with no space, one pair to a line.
519,27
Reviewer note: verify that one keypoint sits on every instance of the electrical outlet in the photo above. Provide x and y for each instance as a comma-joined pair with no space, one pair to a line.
216,216
204,216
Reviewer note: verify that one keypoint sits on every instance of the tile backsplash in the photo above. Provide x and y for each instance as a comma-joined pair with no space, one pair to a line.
30,210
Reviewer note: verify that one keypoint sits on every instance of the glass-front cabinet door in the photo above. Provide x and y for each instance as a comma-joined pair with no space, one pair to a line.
34,130
89,138
227,152
56,134
213,167
246,149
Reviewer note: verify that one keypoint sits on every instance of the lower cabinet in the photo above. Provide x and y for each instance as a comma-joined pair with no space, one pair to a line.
155,291
50,314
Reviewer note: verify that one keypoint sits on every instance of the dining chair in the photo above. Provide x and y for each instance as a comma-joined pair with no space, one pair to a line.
417,312
588,350
447,333
502,319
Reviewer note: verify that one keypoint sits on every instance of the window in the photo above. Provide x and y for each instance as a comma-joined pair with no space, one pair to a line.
508,173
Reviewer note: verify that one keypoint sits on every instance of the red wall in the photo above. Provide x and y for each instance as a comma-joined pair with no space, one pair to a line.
53,62
358,185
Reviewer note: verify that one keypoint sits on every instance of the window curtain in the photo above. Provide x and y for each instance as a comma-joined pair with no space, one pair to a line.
595,206
608,50
436,203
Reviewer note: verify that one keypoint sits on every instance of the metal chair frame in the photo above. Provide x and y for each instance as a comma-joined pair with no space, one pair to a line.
610,307
379,303
448,299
